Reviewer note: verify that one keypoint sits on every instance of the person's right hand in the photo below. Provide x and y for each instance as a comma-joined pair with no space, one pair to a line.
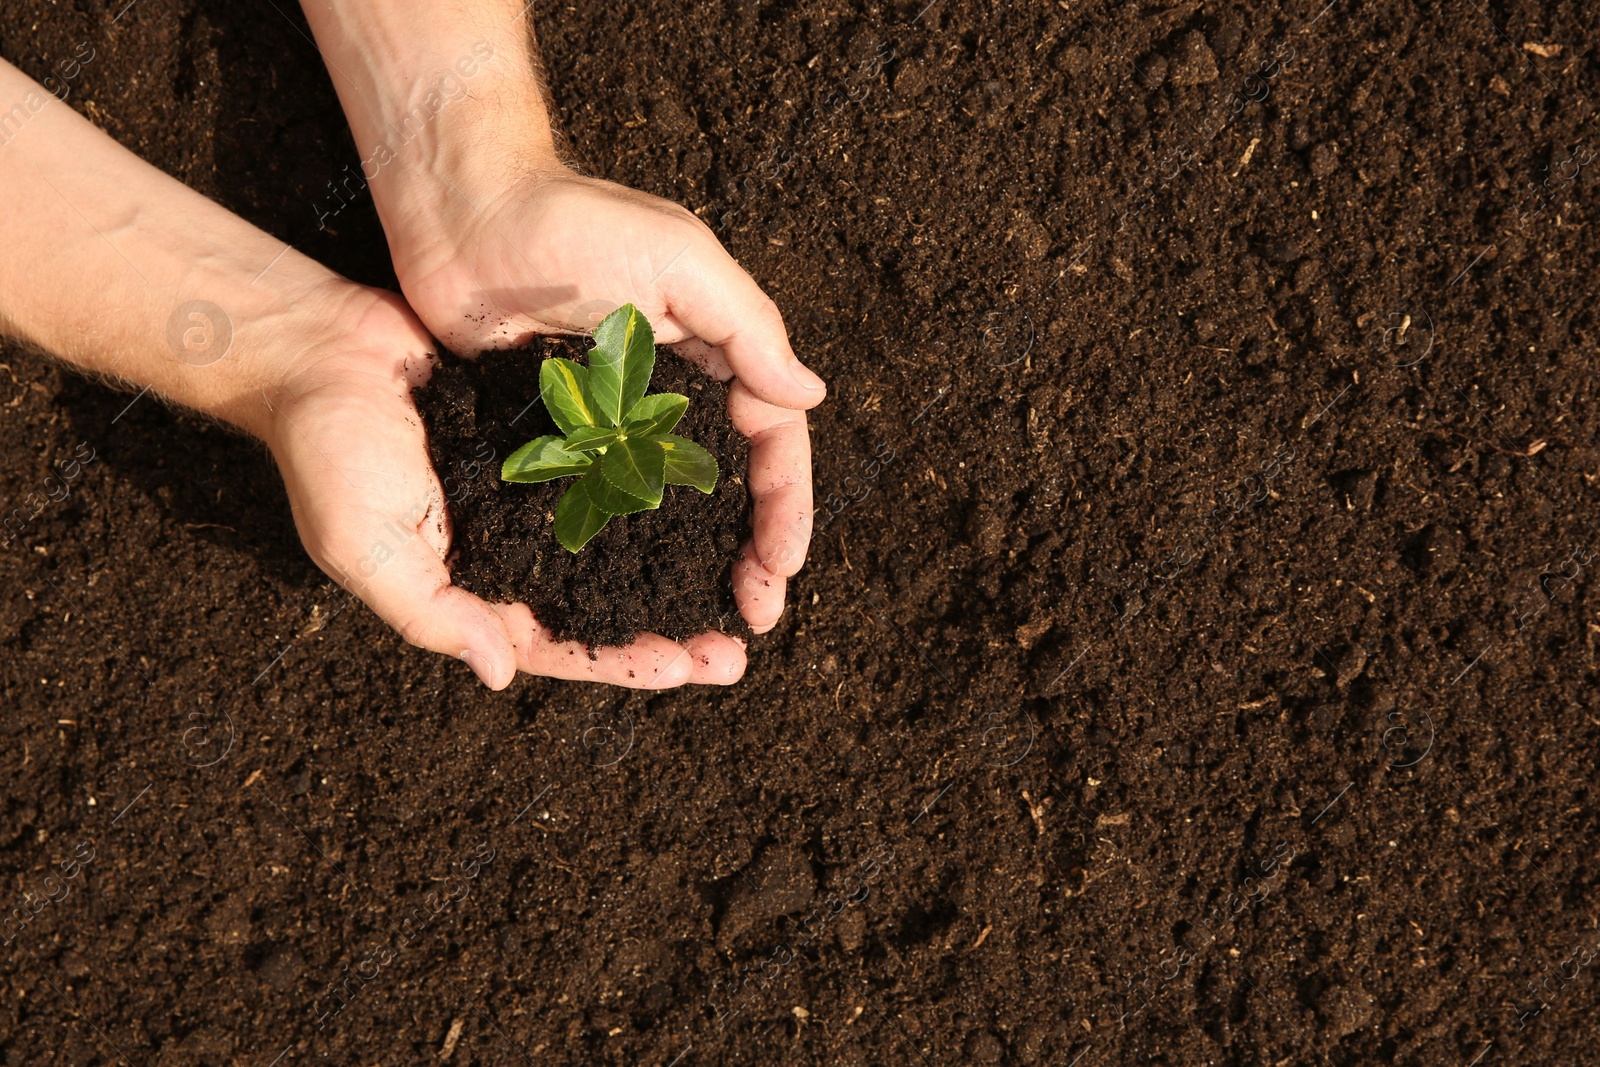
371,512
555,252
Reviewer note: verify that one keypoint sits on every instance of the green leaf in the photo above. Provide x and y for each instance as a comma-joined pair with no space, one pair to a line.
541,460
621,363
587,439
632,476
688,463
565,388
578,517
656,414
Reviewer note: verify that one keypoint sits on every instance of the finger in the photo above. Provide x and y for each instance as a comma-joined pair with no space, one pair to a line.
709,359
409,588
779,478
650,662
719,303
758,592
717,659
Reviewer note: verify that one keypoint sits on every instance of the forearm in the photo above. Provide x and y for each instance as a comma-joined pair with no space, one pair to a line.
118,268
444,98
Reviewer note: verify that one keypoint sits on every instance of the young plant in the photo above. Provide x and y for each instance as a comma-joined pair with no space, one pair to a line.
618,441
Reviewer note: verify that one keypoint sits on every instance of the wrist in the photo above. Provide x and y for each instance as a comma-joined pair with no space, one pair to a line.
446,106
248,351
454,175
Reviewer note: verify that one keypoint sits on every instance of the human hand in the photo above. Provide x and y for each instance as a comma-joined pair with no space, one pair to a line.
371,512
315,366
555,252
494,239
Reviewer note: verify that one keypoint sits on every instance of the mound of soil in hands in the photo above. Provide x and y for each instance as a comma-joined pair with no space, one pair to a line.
667,571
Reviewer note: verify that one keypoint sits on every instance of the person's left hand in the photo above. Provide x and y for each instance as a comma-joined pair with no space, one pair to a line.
556,252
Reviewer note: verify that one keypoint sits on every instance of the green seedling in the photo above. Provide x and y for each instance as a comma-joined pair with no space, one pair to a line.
618,442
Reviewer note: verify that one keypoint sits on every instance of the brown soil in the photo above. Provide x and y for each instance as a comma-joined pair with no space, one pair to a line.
667,571
1196,662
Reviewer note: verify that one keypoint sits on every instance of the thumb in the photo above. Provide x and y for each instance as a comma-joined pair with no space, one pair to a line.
719,303
409,588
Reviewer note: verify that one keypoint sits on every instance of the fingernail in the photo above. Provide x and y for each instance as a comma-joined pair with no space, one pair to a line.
479,665
806,379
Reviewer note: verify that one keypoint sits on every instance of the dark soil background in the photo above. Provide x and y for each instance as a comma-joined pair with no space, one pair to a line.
667,571
1051,761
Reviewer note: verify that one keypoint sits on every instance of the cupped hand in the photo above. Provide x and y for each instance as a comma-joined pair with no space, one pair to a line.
556,252
371,512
